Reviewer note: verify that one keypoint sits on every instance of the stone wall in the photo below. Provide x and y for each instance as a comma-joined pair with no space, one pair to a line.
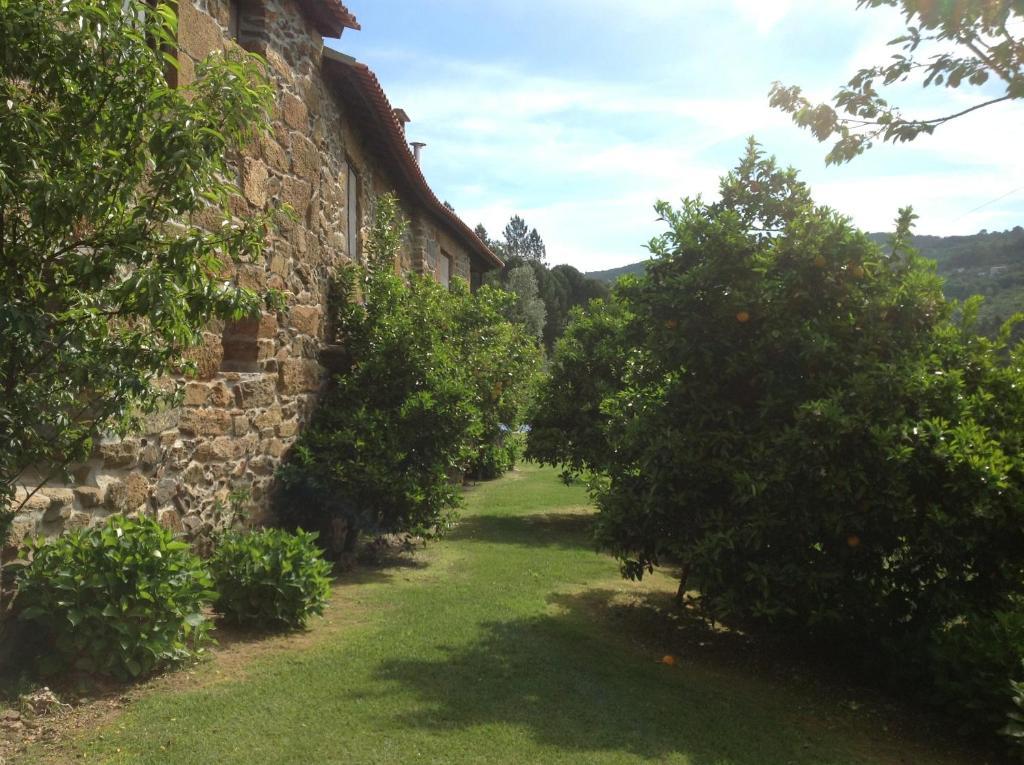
257,381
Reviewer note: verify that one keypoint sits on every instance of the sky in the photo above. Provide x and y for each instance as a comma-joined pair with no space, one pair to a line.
579,115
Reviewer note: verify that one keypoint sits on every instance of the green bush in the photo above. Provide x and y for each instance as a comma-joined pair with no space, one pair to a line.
390,430
123,599
270,578
975,664
799,418
497,457
502,360
428,375
567,424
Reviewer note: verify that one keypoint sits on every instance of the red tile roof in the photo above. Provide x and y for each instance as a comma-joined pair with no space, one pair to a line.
330,17
361,89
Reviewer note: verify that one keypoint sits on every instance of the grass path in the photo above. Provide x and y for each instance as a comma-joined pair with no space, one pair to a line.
510,642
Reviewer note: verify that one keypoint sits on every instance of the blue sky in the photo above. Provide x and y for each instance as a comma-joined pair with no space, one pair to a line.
580,114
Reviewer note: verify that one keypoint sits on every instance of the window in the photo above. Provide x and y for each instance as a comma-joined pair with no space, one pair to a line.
247,24
241,346
444,269
138,15
353,213
235,20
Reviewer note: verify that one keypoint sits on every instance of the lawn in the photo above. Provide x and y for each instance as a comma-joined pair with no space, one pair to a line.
510,641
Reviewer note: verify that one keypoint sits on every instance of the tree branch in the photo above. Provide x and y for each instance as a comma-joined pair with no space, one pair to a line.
987,60
929,122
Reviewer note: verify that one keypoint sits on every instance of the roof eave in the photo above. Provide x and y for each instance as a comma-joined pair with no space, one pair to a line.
366,85
330,17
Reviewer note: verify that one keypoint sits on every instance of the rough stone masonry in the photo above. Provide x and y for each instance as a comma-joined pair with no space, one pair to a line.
335,147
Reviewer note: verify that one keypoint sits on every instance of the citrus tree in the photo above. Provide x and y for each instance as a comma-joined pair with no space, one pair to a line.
503,360
428,375
106,276
804,426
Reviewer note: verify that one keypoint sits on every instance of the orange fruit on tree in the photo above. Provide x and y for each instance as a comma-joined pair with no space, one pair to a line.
743,317
853,540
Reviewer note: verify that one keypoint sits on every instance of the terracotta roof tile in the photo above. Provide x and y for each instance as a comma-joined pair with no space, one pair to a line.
361,88
330,17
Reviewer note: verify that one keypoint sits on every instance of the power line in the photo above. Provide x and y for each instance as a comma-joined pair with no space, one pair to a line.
989,202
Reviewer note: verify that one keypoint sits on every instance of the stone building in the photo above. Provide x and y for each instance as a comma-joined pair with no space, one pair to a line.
336,145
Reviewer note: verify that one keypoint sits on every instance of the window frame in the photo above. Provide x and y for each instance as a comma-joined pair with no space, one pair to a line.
445,264
235,10
353,212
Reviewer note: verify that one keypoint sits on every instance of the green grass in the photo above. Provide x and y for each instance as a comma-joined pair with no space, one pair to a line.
510,642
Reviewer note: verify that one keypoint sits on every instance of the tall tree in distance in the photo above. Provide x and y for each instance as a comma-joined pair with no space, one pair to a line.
521,242
535,249
559,288
976,40
528,308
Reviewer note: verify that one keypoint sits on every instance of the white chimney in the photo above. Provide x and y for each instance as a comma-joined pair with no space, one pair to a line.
417,147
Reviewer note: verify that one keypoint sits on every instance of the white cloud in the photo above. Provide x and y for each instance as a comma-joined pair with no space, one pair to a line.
763,14
584,160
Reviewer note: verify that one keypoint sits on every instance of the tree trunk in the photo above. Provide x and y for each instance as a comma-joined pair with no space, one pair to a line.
681,592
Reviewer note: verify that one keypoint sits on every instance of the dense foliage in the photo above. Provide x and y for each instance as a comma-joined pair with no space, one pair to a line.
568,425
796,418
106,171
989,263
428,375
967,42
547,299
502,361
527,307
123,599
269,578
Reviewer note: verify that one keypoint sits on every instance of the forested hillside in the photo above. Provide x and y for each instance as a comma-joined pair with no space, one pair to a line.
990,264
987,264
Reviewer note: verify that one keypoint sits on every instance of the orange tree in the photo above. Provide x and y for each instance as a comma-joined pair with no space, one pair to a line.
426,376
503,359
106,275
799,419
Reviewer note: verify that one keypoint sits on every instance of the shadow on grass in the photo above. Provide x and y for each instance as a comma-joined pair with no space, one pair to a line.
574,686
564,530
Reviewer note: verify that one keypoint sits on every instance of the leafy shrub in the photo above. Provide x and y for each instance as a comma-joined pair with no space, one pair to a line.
975,665
502,360
429,374
270,578
109,277
1013,731
123,599
567,426
800,418
497,457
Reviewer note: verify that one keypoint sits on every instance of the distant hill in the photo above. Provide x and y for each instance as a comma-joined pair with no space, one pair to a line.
990,264
612,274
